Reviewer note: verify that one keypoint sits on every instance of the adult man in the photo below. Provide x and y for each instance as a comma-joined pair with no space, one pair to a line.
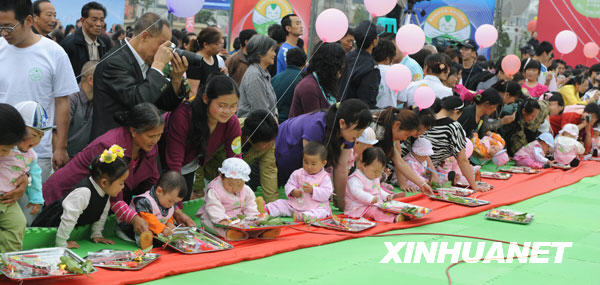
238,63
292,26
85,44
543,54
586,123
35,68
594,76
134,74
471,70
415,69
347,41
500,75
81,110
44,17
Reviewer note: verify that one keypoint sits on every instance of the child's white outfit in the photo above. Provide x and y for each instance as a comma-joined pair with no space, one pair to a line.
314,206
360,192
566,149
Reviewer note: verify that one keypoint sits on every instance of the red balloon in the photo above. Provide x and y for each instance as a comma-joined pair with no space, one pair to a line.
532,26
590,50
511,64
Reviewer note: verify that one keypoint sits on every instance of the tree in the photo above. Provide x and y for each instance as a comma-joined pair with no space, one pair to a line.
503,42
205,17
360,14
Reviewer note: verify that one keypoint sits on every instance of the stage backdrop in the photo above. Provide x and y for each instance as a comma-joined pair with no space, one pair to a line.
69,11
579,16
260,14
456,19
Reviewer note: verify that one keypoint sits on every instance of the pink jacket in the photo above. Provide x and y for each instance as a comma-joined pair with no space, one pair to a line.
417,167
221,205
526,156
155,209
322,190
360,191
12,166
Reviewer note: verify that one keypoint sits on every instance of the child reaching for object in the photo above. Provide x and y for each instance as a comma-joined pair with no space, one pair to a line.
567,148
417,159
534,153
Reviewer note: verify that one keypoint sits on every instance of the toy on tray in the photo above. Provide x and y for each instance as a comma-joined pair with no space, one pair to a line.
496,175
120,259
193,240
43,263
455,191
471,202
345,224
511,216
398,207
256,224
561,166
521,170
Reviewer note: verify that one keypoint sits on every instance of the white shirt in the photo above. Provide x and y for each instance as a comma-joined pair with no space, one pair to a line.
441,90
41,73
386,96
143,65
73,205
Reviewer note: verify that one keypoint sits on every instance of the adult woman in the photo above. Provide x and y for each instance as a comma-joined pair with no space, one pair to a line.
574,89
195,130
474,118
141,129
523,130
449,139
256,91
437,68
208,45
319,87
338,128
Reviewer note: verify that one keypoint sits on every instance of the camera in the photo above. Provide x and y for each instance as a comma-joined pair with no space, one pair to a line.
588,118
192,58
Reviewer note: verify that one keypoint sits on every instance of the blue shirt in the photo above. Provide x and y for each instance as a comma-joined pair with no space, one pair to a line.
281,60
414,67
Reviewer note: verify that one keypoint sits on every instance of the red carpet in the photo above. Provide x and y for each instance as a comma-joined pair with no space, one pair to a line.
520,187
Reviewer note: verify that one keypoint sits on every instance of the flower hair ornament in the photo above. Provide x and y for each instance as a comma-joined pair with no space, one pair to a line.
111,154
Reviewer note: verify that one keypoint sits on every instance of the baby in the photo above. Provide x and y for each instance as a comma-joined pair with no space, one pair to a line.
567,148
534,154
417,159
490,147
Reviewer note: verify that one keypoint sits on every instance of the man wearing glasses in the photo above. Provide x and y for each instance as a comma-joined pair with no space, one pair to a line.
34,68
86,44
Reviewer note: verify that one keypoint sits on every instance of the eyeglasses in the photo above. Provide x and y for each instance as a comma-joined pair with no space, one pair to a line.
8,29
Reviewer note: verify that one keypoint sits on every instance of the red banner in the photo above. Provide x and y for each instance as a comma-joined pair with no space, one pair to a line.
189,24
579,16
260,14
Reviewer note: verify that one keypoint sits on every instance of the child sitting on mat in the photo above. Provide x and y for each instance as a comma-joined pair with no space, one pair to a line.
534,154
363,190
157,205
227,196
89,202
567,148
308,188
417,159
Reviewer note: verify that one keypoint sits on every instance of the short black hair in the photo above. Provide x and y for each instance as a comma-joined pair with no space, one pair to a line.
173,181
373,154
85,10
111,171
12,129
260,126
22,8
557,97
287,21
295,57
531,63
420,56
385,49
543,47
236,44
594,68
592,109
36,6
245,36
315,148
365,34
277,33
186,38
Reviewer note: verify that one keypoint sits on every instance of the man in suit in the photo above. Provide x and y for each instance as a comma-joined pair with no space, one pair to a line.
134,74
86,43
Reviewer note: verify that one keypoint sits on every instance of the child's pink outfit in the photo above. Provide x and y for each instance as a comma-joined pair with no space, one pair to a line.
536,91
451,164
12,166
221,205
566,149
417,167
314,206
531,155
360,192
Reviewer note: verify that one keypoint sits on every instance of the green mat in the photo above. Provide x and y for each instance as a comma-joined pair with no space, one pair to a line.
569,214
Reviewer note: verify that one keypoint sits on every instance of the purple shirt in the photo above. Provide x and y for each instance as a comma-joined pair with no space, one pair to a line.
289,142
308,97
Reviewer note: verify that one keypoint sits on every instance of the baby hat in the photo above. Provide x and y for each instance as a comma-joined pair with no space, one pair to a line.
547,138
570,129
368,137
422,147
34,115
235,168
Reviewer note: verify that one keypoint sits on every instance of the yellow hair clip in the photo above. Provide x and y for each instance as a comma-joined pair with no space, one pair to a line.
116,149
111,154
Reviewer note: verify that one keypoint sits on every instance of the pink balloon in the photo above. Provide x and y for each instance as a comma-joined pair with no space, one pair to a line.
410,39
331,25
424,97
565,42
469,148
397,77
511,64
380,7
532,26
184,8
591,49
486,35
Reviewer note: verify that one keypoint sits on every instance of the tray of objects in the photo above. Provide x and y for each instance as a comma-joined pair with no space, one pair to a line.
561,166
246,224
455,191
43,263
465,201
193,241
510,216
345,224
520,170
479,183
398,207
496,175
121,259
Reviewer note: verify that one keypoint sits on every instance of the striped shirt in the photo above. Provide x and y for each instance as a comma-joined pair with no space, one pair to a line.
447,137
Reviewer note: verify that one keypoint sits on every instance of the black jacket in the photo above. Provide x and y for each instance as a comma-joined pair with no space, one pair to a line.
364,79
76,48
119,85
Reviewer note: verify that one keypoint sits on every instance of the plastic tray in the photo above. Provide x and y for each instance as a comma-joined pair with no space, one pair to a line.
496,175
410,210
455,191
562,166
471,202
118,263
252,225
520,170
510,216
347,224
215,242
49,255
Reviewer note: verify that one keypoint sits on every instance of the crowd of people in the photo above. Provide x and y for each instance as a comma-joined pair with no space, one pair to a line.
122,123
